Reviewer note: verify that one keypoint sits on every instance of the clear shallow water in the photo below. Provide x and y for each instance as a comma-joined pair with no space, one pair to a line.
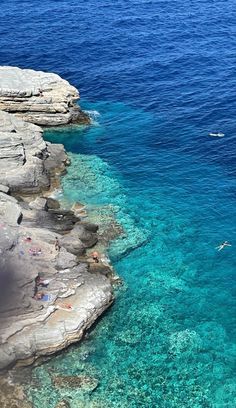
161,76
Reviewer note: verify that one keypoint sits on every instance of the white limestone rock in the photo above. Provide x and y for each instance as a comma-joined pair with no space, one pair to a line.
39,97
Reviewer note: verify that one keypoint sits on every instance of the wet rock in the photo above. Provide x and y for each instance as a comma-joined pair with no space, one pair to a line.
52,204
79,210
63,404
58,221
77,207
116,280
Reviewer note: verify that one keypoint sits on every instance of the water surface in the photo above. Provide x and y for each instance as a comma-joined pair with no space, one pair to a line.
158,76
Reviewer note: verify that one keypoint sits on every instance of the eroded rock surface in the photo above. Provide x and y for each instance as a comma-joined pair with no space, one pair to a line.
26,160
39,97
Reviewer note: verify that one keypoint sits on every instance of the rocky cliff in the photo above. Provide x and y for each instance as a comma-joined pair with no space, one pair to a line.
50,289
39,97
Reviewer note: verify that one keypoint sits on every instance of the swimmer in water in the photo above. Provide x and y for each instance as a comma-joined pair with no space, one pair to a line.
224,244
217,134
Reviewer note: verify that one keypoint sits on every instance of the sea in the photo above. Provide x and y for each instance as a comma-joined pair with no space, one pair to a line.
156,77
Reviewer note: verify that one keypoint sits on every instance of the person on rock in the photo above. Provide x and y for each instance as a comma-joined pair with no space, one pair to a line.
95,257
57,244
38,296
41,282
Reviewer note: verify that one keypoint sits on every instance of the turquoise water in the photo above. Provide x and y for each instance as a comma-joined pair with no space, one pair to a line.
169,339
158,76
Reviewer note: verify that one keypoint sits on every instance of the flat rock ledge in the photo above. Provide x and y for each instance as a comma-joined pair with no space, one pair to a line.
73,293
38,97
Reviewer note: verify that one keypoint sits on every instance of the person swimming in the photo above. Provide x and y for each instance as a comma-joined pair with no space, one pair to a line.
219,134
223,245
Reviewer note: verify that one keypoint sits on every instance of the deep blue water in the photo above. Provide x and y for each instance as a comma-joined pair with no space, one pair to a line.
161,76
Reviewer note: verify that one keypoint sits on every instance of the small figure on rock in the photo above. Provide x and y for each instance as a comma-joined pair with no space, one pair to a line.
41,282
95,257
38,295
57,244
35,251
224,244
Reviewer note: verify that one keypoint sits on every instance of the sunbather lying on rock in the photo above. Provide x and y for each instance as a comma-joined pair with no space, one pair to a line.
41,282
35,251
38,296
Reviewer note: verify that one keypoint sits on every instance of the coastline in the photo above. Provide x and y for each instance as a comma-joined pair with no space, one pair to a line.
34,328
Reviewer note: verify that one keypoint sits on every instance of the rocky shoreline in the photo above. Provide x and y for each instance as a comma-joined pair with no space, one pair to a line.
43,247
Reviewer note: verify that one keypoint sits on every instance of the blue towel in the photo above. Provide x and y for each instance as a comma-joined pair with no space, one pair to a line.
47,298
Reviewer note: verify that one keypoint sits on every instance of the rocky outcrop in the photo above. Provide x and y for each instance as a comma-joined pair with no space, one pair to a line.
72,296
50,292
39,97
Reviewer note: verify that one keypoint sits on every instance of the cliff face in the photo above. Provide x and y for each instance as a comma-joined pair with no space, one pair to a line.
50,290
26,160
22,155
39,97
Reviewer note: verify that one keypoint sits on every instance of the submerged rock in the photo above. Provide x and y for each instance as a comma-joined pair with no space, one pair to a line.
39,97
63,404
12,395
83,382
